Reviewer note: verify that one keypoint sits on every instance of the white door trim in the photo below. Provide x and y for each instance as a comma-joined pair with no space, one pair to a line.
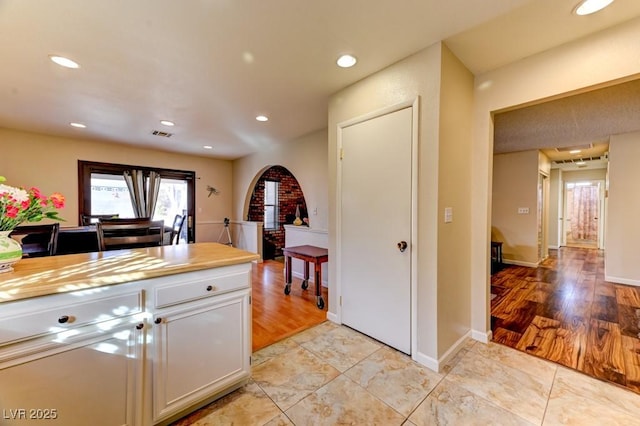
414,104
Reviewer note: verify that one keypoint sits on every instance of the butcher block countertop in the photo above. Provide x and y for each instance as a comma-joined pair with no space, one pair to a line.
60,274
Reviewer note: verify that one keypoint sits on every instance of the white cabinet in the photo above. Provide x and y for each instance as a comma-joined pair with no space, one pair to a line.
200,350
139,353
199,339
67,373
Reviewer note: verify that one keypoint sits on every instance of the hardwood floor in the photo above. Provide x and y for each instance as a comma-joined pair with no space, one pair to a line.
565,312
276,316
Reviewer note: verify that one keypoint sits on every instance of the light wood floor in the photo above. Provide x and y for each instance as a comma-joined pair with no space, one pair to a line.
276,316
565,311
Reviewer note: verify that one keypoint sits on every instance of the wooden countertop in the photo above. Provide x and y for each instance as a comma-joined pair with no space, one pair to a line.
59,274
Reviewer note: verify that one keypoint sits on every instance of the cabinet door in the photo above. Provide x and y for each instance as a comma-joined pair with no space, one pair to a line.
93,378
199,350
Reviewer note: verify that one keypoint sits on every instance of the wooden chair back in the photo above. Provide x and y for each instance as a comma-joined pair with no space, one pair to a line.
37,240
114,234
176,229
90,219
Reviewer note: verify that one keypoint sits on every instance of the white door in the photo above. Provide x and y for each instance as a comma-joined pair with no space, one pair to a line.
376,194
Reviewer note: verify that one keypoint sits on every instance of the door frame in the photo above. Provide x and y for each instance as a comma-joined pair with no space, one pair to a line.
601,211
413,246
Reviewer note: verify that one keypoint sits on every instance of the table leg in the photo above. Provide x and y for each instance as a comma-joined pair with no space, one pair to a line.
287,275
305,282
318,278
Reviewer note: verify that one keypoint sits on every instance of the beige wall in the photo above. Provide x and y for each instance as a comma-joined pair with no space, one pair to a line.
417,75
305,158
622,226
443,158
454,190
584,175
515,182
51,163
603,57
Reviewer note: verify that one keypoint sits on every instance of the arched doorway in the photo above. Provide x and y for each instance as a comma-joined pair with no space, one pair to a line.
276,197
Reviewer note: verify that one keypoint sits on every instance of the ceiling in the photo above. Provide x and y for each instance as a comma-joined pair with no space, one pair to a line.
583,121
212,66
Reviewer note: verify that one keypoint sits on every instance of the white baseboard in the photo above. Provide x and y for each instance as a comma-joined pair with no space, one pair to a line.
427,361
482,336
626,281
311,280
333,317
520,263
554,247
437,364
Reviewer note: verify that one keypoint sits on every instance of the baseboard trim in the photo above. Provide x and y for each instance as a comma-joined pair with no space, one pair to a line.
437,364
311,280
622,280
554,247
427,361
480,336
333,317
520,263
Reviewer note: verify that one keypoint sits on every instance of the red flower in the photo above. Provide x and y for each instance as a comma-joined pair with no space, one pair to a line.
58,200
12,212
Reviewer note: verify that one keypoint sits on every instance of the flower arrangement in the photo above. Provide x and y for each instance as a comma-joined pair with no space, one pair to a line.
19,205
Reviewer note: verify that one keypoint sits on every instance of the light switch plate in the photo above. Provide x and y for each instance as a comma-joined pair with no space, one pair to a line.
523,210
448,214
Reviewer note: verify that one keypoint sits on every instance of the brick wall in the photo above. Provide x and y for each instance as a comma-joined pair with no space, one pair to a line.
289,196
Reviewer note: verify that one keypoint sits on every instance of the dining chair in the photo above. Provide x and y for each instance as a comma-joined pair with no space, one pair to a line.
37,240
129,233
176,229
91,219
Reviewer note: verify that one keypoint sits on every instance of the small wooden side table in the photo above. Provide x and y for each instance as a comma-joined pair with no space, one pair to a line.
313,254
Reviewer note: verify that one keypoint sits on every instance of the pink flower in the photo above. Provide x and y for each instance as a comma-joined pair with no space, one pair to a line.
12,212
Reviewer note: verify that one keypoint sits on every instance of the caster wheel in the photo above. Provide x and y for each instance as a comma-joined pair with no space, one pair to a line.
320,303
305,284
287,289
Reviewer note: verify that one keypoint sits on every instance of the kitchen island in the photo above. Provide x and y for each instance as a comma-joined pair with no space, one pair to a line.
128,337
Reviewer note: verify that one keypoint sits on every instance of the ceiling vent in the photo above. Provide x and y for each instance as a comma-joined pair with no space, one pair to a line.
575,148
579,160
161,133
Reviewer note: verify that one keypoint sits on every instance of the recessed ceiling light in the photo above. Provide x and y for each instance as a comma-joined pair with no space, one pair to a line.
78,125
262,118
64,62
346,61
167,123
575,151
587,7
207,147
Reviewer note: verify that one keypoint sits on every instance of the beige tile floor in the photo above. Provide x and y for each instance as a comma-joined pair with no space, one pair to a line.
332,375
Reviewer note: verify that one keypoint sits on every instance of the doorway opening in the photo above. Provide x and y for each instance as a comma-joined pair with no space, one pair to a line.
583,206
277,199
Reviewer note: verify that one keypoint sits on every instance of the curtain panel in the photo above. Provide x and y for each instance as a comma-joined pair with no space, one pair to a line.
143,190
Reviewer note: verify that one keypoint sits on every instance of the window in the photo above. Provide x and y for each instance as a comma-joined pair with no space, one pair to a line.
270,204
103,190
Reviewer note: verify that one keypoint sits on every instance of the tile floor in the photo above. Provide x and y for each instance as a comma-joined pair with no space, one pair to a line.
330,375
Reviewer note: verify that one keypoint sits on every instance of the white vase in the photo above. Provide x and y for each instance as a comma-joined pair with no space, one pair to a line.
10,252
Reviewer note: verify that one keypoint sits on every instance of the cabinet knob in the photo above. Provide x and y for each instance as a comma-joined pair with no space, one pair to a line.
63,319
140,326
157,320
209,287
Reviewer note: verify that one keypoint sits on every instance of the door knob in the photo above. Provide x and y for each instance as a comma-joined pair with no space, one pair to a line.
402,246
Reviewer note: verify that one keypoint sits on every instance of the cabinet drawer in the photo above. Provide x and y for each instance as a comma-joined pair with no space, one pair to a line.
57,318
201,287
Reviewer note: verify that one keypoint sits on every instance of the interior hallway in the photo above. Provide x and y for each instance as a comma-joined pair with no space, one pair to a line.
565,311
331,375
